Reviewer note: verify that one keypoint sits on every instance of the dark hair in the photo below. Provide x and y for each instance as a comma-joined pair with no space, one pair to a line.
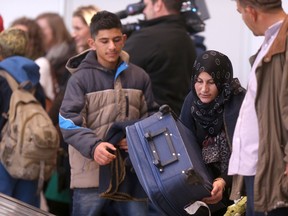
173,6
36,47
262,4
104,20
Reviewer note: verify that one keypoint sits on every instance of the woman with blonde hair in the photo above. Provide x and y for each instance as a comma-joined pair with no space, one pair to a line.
80,23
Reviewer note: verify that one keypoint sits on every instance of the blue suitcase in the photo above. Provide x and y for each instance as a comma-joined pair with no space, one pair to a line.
168,163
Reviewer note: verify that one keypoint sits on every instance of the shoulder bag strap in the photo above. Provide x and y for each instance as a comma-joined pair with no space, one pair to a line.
11,81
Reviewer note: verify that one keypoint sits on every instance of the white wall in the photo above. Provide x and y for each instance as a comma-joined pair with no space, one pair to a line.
225,30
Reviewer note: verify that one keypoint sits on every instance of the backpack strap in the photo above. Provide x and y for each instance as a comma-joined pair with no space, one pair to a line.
11,81
14,84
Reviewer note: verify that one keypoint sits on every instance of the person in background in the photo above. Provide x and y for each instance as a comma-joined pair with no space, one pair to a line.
59,46
164,49
105,89
210,111
260,142
36,52
13,43
81,32
80,22
1,23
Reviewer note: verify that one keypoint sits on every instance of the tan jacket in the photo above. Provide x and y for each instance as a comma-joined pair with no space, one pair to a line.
271,186
95,98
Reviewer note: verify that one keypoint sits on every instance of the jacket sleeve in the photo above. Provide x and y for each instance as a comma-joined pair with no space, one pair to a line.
185,115
284,106
152,106
72,121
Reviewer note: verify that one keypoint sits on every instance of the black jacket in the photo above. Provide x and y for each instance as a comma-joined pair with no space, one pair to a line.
163,48
231,112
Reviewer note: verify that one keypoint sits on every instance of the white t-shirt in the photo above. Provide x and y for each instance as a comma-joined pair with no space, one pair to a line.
46,80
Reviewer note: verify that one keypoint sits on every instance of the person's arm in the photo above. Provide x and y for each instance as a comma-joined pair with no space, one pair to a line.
104,153
185,114
71,120
152,106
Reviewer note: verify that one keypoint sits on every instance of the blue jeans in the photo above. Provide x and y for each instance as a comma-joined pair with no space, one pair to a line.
23,190
86,202
249,185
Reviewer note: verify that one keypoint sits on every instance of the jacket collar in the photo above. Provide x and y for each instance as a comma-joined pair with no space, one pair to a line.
74,62
279,44
160,20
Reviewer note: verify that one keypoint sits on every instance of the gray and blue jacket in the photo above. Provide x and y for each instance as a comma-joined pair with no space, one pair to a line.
95,98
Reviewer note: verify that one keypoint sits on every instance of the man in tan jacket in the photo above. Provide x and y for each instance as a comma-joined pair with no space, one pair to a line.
260,149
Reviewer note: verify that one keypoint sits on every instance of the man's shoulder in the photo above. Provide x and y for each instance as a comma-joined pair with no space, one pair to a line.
137,72
136,69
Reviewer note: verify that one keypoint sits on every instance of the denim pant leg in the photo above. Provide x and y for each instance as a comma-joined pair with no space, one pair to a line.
23,190
130,208
7,183
249,186
26,191
86,202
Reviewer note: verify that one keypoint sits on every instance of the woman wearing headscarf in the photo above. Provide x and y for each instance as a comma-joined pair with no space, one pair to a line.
210,111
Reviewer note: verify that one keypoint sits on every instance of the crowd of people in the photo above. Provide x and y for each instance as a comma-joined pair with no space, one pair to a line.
95,81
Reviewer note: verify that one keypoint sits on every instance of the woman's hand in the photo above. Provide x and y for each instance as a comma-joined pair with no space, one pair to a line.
217,192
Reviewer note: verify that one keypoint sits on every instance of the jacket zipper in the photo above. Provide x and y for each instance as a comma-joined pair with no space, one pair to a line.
127,104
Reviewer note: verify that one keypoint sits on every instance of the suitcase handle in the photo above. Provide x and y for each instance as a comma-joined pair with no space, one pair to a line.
156,159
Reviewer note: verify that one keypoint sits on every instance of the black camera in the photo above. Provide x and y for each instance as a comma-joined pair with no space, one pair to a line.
193,17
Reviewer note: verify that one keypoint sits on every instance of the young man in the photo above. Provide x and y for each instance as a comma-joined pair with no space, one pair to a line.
104,89
260,149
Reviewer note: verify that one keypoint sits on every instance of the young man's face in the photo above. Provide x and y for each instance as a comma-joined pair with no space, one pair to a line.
108,45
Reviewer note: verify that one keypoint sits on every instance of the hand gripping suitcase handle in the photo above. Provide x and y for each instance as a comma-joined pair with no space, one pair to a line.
156,159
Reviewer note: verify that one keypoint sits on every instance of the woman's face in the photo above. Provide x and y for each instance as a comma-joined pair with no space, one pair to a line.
47,32
205,88
81,33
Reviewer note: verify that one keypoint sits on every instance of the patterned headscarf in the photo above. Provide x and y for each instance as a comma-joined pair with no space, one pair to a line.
219,67
209,116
